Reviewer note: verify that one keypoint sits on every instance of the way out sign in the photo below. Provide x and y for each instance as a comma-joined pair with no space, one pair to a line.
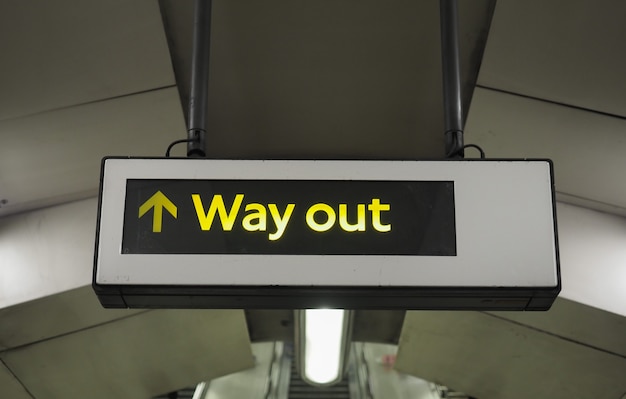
198,233
288,217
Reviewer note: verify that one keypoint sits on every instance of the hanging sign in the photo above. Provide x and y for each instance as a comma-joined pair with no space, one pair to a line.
294,234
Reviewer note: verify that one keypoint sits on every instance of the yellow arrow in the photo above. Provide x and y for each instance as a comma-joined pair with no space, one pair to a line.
158,201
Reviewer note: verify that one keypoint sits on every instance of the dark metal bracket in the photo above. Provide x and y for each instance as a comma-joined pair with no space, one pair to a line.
198,98
450,62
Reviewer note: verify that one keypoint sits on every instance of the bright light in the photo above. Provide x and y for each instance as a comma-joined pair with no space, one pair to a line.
324,330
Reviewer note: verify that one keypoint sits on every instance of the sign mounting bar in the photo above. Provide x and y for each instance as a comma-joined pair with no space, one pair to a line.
198,96
450,63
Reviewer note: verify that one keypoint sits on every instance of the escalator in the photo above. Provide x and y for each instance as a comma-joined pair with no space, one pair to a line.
369,375
299,389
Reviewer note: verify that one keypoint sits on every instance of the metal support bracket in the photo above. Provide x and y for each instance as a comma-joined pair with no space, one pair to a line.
450,62
198,98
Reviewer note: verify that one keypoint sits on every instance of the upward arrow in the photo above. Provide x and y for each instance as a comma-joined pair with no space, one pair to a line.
158,201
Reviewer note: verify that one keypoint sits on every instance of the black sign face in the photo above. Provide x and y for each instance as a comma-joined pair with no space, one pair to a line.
289,217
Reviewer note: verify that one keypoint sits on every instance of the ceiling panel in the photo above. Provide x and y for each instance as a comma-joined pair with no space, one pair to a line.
600,330
10,386
593,259
341,79
61,53
493,358
46,252
566,51
137,357
53,316
587,148
55,156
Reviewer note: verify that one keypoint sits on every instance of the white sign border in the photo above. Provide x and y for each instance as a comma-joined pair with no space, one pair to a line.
505,226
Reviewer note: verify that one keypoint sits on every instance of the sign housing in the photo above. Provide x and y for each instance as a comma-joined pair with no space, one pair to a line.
187,233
